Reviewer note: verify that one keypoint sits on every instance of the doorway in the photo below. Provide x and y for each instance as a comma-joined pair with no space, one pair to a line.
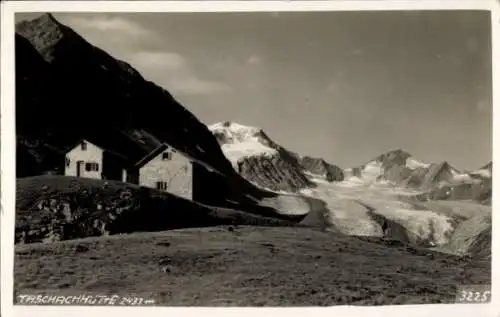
79,167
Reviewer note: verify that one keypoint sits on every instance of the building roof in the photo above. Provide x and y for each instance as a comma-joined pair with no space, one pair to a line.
132,152
102,148
165,146
151,155
117,144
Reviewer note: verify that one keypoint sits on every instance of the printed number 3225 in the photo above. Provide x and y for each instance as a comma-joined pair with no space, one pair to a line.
474,297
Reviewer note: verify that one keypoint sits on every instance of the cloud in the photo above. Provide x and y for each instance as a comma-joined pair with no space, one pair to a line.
143,48
152,60
104,23
174,72
196,86
111,33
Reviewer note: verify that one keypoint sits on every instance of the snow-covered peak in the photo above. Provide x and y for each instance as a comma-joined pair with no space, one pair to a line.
455,173
483,172
412,163
240,141
402,158
232,132
456,176
488,167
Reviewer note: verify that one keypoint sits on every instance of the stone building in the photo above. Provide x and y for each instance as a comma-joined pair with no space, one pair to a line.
164,169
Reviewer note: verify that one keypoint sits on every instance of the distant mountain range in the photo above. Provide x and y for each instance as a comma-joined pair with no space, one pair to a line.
402,168
267,164
68,89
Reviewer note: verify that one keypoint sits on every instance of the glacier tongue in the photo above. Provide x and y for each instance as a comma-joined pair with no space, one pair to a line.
353,203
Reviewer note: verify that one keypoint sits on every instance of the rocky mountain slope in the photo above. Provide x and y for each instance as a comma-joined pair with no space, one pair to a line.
395,166
269,165
483,172
264,162
67,89
382,198
444,183
436,180
258,159
319,167
58,72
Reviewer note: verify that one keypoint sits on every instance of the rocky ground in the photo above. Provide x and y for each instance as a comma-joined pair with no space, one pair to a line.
53,208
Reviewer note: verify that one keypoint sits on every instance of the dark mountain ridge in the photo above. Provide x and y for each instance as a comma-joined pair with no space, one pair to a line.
388,160
108,91
68,89
488,166
318,166
393,157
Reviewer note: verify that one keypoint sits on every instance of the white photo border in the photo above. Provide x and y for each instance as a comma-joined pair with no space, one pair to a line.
8,148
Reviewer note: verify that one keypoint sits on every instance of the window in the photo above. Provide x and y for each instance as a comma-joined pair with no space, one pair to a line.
166,156
91,167
161,185
83,146
67,162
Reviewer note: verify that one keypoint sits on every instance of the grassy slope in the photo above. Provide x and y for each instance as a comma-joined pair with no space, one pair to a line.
248,266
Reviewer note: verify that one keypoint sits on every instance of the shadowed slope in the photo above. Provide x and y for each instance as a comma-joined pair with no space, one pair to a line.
68,89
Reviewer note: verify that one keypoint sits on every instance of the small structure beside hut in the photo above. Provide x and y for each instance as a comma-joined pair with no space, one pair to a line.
164,169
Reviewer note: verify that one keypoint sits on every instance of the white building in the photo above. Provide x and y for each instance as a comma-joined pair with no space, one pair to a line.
164,169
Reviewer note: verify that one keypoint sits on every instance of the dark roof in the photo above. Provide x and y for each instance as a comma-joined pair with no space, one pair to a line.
165,146
151,155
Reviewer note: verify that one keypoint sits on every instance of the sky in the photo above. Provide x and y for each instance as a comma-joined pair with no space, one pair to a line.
345,86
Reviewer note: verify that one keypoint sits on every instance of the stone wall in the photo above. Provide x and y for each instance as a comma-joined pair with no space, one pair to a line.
177,172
